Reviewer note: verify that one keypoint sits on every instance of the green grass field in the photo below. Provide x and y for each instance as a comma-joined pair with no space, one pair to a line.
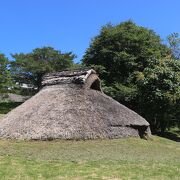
129,158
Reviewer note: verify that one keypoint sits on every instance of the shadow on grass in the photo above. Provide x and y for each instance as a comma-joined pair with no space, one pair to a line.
5,107
174,136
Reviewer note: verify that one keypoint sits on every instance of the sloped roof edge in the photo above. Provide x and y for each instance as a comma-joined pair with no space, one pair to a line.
68,76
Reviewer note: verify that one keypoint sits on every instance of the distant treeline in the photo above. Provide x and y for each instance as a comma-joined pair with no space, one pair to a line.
135,66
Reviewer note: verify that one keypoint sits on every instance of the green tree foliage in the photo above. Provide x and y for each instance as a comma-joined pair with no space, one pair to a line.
136,71
123,49
6,82
159,93
29,68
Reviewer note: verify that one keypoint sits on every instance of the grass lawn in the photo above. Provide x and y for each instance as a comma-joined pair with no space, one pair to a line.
129,158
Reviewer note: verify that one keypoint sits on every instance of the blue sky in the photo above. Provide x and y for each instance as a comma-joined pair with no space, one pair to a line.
69,25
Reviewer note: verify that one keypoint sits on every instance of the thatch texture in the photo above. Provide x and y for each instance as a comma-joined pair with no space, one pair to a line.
71,105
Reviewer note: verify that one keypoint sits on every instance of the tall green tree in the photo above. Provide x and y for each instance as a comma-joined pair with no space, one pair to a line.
123,49
6,81
159,93
133,63
29,68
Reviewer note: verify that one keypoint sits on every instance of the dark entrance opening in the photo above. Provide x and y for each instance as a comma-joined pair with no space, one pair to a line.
96,85
142,130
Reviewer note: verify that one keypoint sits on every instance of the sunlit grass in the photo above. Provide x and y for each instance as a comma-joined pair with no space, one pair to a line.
129,158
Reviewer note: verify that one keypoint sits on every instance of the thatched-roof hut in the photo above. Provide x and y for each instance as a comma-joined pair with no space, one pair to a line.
71,105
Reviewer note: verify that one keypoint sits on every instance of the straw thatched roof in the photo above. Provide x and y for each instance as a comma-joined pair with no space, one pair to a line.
71,105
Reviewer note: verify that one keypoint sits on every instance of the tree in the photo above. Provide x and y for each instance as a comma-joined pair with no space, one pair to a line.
174,44
136,71
123,49
159,92
29,68
6,82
